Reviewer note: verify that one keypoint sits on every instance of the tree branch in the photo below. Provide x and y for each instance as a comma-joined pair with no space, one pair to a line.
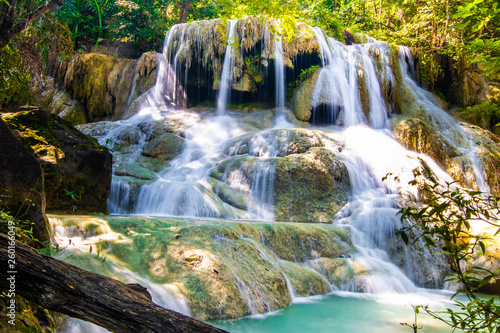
64,288
9,30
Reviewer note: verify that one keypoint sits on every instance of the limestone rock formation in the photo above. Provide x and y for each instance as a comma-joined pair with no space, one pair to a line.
309,183
99,86
416,135
222,269
301,100
59,102
311,187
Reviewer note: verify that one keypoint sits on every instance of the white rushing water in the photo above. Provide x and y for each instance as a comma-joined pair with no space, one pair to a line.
169,90
449,128
279,76
225,80
184,188
337,84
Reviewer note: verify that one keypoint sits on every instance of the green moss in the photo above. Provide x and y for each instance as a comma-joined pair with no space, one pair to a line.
305,281
29,317
213,262
51,139
87,79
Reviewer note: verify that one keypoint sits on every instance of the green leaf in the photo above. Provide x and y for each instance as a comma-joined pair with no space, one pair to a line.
483,248
403,235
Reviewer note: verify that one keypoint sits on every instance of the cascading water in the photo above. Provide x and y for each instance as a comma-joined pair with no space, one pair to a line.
169,90
279,75
337,85
444,124
225,80
378,112
181,189
78,242
230,162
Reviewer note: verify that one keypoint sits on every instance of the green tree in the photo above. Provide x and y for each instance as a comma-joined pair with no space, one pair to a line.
16,16
446,218
87,19
481,21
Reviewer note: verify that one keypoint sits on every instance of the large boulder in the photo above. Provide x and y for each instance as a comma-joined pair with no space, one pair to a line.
289,171
416,135
59,102
301,101
310,187
21,184
77,170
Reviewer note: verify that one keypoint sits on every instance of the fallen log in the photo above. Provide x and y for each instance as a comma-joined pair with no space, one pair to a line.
67,289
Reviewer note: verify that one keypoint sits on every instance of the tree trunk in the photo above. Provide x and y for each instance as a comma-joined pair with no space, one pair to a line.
186,5
64,288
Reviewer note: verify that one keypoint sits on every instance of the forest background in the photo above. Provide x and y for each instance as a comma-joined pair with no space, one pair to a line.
444,34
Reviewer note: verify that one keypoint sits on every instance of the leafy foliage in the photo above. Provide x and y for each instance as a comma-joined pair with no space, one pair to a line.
481,19
447,217
14,83
486,115
86,19
304,74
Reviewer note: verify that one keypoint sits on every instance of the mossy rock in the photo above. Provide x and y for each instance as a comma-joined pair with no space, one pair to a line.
311,187
164,147
21,185
87,81
301,101
488,147
336,270
67,108
77,170
29,318
416,135
306,282
223,269
131,169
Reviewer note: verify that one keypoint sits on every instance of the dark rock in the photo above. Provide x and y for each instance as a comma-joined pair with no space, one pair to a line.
21,180
77,170
117,49
349,38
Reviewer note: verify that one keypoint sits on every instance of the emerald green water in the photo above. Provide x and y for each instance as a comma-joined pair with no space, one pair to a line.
348,313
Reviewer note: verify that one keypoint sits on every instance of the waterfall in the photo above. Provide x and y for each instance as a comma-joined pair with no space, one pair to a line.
119,197
80,241
169,90
238,165
337,84
371,211
378,111
445,125
225,80
279,75
181,189
370,154
279,70
134,83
